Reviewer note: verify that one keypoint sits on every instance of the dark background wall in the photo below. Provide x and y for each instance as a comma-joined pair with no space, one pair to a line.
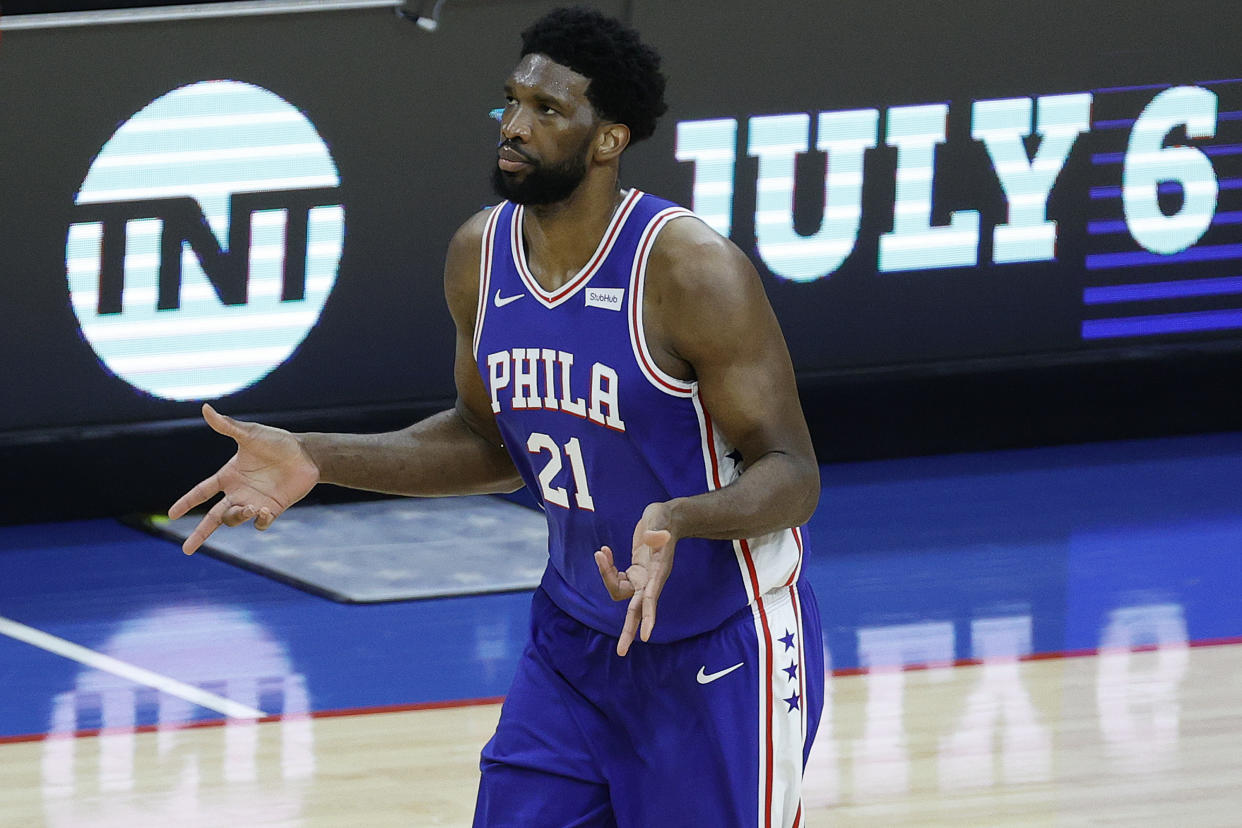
18,7
942,359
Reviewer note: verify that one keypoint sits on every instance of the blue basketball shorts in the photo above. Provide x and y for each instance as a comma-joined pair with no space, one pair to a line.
712,730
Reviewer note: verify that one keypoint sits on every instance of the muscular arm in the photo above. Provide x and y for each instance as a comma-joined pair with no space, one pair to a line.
708,318
458,451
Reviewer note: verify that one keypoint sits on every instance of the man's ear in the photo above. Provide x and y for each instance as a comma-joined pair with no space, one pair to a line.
612,141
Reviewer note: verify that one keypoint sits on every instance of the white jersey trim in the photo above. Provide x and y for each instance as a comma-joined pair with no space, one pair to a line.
782,708
766,715
553,298
485,274
768,561
638,284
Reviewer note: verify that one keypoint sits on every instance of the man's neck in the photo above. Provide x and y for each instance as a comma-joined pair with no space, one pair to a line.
561,238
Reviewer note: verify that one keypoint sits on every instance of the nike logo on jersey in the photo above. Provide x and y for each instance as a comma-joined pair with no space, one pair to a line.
500,303
707,678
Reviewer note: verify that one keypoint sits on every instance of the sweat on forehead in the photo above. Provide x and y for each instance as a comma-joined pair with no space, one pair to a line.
537,70
624,82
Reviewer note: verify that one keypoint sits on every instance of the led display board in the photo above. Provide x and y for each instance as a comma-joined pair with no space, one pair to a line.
1155,211
253,210
206,240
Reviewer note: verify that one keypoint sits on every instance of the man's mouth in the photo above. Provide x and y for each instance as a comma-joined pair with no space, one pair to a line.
510,160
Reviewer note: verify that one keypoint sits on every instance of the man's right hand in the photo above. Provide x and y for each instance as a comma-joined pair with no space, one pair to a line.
268,474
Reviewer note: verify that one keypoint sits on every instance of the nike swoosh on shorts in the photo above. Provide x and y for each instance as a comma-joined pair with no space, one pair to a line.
707,678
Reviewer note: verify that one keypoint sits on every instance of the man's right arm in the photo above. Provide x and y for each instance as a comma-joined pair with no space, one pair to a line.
458,451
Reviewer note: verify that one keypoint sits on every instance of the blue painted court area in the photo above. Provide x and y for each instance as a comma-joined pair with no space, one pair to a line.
915,561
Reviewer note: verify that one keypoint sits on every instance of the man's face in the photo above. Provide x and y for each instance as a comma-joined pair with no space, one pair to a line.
548,130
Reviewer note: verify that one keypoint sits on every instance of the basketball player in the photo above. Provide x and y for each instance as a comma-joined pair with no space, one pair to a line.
620,359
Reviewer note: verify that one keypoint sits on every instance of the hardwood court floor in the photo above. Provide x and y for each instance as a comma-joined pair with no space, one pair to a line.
1145,738
1122,739
142,688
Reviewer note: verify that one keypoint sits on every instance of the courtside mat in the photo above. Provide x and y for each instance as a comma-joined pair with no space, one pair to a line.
387,550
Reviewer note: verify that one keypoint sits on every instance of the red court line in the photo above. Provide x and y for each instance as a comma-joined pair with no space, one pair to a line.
1046,656
444,705
317,714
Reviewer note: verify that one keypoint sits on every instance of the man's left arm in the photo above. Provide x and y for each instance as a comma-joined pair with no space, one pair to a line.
707,317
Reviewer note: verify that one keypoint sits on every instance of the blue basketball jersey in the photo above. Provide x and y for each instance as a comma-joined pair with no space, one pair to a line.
598,431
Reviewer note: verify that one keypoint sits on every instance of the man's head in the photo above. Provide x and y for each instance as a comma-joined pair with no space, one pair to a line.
585,87
626,85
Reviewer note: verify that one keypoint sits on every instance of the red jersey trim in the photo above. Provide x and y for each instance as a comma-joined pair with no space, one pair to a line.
768,703
485,274
638,285
551,299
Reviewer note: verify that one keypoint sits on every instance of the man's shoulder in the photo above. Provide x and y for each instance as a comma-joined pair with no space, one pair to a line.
688,250
471,231
461,266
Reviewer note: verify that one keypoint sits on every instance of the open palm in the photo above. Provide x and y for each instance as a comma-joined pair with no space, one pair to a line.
268,474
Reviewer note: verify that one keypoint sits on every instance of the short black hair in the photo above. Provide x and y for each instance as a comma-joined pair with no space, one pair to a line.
627,85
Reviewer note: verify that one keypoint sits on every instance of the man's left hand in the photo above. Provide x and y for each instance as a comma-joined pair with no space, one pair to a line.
650,565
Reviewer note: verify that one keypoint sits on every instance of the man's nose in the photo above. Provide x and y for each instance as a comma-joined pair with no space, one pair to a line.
515,125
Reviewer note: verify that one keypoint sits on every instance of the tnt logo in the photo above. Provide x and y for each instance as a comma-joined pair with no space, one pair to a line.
206,239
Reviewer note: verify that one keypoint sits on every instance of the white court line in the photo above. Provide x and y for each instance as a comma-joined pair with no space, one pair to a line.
99,661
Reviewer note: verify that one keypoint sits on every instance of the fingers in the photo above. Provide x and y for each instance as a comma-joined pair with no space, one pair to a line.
659,566
226,514
201,493
617,583
620,587
264,519
630,628
237,515
223,513
655,539
222,424
210,523
208,488
650,597
642,583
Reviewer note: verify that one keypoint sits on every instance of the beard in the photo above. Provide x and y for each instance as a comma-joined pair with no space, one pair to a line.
544,183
